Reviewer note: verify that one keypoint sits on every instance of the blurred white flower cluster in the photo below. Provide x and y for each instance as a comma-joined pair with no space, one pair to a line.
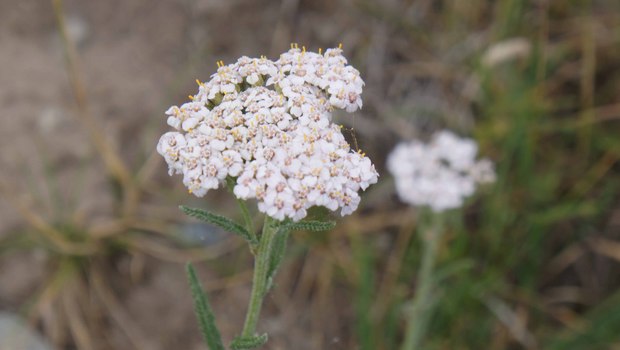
440,174
268,125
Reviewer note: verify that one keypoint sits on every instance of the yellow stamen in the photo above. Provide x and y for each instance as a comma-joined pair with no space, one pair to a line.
189,191
303,49
340,46
320,51
191,97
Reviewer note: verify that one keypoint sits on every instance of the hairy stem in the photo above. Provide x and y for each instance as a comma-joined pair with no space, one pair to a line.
261,269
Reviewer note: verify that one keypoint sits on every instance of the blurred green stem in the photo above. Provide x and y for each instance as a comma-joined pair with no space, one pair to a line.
419,315
261,270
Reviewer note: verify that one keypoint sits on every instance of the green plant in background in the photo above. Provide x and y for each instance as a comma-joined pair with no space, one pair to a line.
537,77
436,176
264,130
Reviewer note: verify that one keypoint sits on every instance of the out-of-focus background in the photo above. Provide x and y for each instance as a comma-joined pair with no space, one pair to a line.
92,244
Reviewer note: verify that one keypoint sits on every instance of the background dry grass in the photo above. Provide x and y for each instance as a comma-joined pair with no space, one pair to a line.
91,240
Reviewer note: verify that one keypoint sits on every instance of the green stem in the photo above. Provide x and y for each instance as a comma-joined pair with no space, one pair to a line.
261,269
247,218
420,311
249,225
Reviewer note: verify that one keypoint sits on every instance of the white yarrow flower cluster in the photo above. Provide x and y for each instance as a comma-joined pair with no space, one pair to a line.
268,125
440,174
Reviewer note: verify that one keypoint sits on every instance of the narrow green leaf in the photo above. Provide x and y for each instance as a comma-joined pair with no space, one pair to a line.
242,343
204,313
220,221
278,251
364,295
452,269
599,331
310,225
280,242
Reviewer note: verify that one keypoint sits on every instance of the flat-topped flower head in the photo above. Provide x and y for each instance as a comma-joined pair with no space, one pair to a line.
268,124
439,174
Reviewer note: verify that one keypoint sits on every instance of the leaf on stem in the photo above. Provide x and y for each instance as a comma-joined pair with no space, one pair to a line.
205,316
279,244
241,343
278,251
310,225
220,221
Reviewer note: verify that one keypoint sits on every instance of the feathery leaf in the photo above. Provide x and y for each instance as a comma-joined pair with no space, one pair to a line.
310,225
242,343
278,251
205,316
220,221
